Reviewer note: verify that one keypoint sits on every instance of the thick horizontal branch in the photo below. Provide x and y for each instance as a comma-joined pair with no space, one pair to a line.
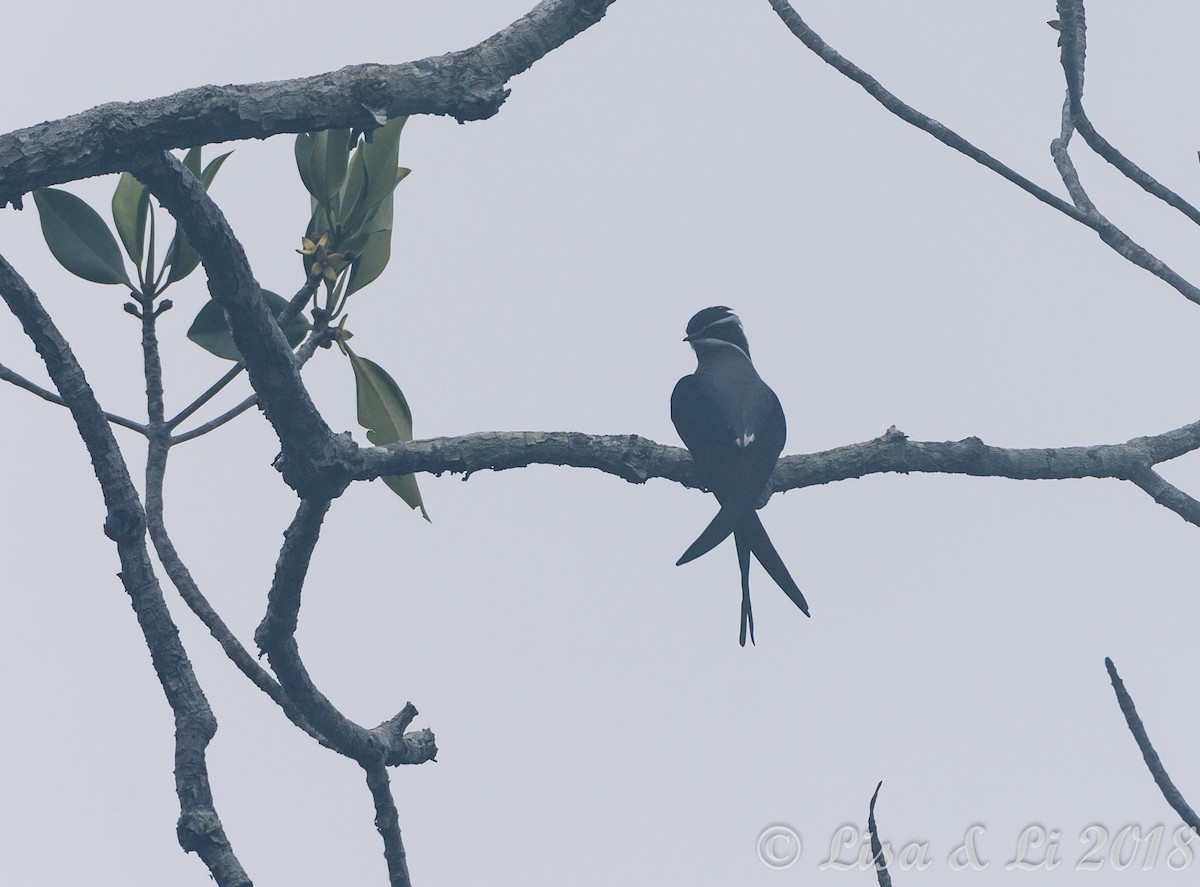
638,459
466,85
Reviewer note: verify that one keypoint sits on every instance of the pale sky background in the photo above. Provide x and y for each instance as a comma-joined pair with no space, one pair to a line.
597,722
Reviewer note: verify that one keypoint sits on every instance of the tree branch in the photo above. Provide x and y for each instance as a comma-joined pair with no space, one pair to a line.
466,85
877,855
308,446
374,750
1138,729
638,459
387,822
1073,29
199,828
20,381
1109,233
1121,243
295,306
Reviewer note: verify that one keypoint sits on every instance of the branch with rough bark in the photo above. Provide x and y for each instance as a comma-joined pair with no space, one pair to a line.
638,459
199,828
1153,763
466,85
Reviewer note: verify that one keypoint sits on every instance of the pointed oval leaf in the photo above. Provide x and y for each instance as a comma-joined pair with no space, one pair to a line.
353,188
303,150
374,257
384,412
382,154
78,237
327,166
130,202
210,171
210,330
181,256
191,160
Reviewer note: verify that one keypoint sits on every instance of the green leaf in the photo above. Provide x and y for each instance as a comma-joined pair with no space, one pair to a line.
210,171
376,250
354,187
384,412
191,160
376,253
130,202
382,154
78,237
304,149
210,330
327,165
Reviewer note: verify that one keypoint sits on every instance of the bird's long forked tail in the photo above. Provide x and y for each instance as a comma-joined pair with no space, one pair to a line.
723,523
743,551
759,542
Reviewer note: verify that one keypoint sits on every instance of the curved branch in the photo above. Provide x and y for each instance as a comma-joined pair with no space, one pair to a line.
466,85
638,459
911,115
20,381
1109,233
199,828
1074,51
1173,796
308,445
877,854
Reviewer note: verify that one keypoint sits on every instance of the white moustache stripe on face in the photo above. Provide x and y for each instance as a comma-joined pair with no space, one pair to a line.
732,317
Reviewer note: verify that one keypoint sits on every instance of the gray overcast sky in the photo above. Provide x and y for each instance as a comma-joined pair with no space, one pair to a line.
597,721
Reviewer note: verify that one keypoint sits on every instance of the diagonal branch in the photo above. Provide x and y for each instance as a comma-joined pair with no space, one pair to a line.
466,85
1122,244
374,750
199,828
638,459
20,381
307,444
1109,233
1173,796
877,854
1074,50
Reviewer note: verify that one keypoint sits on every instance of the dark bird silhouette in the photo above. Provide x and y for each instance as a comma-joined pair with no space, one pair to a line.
734,427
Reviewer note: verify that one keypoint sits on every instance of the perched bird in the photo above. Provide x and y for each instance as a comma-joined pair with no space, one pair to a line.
733,426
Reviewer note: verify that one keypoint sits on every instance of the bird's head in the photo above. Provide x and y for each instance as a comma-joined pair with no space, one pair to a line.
716,328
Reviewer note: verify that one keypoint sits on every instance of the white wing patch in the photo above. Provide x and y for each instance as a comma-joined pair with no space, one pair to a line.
746,439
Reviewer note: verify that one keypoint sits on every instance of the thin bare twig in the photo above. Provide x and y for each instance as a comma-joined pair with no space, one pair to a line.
1109,233
1138,729
1073,55
1073,29
295,306
21,382
306,350
881,869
